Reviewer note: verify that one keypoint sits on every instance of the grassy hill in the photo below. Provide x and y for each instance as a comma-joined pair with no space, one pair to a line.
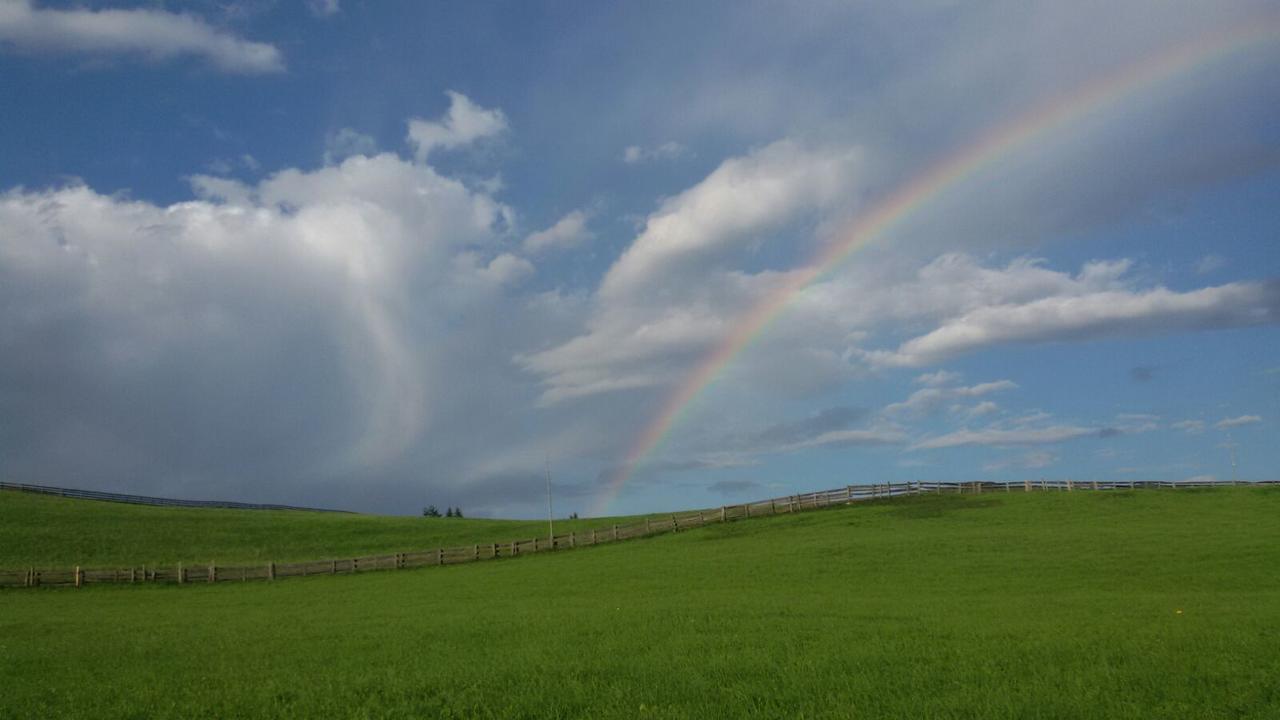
46,530
1144,604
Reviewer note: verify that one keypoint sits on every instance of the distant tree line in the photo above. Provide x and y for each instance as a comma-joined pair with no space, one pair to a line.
433,511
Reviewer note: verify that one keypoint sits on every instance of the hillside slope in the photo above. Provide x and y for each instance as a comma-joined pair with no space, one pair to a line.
1113,604
47,530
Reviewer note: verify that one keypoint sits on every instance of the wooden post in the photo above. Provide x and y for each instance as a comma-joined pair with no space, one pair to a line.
1026,485
271,569
333,567
439,556
131,575
513,548
772,510
748,506
1095,484
702,520
213,572
722,513
615,531
77,576
593,536
573,539
646,526
675,524
1070,485
180,578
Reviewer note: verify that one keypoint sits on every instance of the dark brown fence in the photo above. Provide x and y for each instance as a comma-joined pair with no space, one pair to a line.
676,522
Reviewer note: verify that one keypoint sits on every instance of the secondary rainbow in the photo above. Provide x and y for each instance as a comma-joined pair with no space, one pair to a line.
910,197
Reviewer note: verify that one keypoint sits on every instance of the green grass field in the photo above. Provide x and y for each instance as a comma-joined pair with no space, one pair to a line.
46,530
1146,604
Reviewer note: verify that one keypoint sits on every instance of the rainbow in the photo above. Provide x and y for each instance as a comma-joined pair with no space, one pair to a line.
997,143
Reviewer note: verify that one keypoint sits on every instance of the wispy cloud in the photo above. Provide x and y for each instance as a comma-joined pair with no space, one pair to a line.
1228,423
152,34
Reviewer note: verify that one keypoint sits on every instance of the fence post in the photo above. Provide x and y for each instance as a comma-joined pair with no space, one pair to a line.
748,507
514,548
213,572
1026,485
573,539
439,556
180,578
77,576
1095,484
271,570
702,520
1070,485
593,536
333,567
615,531
647,528
772,510
476,554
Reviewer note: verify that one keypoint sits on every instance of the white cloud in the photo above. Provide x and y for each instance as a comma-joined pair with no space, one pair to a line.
1192,427
310,326
464,123
934,379
1228,423
986,407
568,232
744,195
635,154
929,399
1006,436
153,34
1107,314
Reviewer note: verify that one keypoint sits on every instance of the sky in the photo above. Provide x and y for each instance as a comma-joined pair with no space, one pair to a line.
379,255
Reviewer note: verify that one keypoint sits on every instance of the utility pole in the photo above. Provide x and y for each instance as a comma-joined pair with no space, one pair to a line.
551,525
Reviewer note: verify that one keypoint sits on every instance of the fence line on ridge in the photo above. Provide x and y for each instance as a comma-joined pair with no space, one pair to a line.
195,573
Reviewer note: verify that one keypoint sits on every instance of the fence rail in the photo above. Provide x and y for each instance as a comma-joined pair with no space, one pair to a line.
212,573
148,500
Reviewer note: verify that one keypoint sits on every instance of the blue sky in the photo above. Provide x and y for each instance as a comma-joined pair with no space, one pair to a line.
376,255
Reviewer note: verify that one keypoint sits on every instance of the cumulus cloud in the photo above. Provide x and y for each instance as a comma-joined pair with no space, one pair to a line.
152,34
464,123
1228,423
311,327
568,232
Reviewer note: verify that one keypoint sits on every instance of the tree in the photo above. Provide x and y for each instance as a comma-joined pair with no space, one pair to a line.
430,511
448,512
457,512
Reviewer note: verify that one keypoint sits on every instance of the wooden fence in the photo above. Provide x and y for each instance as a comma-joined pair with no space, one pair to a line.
676,522
148,500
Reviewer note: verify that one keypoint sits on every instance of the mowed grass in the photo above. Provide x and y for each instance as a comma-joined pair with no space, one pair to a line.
50,531
1146,604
